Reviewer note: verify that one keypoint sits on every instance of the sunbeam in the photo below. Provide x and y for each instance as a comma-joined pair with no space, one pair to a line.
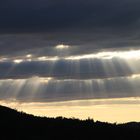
39,89
72,80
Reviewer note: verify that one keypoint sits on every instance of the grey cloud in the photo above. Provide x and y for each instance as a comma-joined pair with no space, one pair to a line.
100,24
13,45
56,90
70,69
66,15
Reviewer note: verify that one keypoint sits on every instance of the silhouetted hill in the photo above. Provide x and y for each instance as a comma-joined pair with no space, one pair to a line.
19,125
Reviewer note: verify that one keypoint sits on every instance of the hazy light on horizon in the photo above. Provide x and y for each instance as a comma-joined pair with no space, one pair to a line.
118,110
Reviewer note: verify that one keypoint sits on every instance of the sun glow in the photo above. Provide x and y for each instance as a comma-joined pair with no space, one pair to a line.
45,80
61,46
18,61
126,55
135,76
29,55
134,54
3,59
108,110
45,58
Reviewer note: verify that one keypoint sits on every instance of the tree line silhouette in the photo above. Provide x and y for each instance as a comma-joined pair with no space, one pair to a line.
19,125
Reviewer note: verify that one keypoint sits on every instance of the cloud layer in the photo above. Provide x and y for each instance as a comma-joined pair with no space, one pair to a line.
66,50
69,69
51,15
93,76
43,90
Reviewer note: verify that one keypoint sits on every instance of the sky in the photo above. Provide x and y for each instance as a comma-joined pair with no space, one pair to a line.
71,58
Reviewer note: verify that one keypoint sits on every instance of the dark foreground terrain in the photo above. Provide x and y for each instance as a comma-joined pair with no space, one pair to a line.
18,125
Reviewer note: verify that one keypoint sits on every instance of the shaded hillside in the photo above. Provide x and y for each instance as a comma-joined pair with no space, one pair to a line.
18,125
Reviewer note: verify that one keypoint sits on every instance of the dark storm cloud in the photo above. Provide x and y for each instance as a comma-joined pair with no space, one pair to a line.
69,69
13,45
51,15
99,24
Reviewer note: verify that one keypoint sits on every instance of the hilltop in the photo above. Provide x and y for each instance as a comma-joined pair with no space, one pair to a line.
19,125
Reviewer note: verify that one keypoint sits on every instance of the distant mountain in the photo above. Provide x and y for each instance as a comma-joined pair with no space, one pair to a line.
18,125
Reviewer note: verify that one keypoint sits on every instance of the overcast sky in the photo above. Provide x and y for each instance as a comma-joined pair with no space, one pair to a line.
67,50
